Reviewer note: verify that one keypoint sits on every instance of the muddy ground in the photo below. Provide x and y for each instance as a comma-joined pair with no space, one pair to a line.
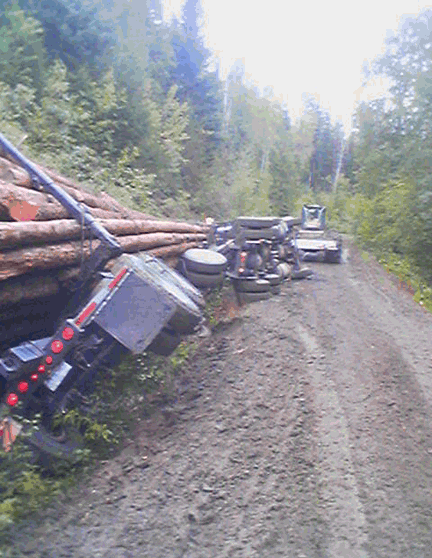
302,428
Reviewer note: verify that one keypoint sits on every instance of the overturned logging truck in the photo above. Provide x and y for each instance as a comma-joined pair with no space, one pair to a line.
82,281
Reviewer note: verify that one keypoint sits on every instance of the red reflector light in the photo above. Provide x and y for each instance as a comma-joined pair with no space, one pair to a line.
12,399
243,258
56,347
41,368
68,333
48,360
1,431
34,377
90,308
117,278
23,387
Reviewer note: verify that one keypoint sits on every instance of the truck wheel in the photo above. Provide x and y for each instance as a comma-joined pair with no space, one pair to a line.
252,285
204,261
49,446
204,280
246,298
258,222
273,278
165,342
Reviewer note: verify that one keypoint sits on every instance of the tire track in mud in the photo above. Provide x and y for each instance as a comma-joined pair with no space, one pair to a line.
372,336
337,481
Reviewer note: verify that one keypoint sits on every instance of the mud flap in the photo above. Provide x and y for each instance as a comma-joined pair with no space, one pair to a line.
10,429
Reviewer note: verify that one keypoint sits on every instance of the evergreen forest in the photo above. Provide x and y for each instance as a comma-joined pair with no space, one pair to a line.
110,94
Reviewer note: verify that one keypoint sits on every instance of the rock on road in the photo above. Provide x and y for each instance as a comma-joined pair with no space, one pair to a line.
301,429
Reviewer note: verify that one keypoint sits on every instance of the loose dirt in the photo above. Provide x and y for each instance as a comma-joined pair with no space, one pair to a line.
301,428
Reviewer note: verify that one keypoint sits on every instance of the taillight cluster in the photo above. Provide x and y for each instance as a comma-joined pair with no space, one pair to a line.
23,385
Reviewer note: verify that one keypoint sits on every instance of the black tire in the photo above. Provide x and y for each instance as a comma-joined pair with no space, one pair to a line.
258,222
273,278
49,447
204,280
165,342
204,261
246,298
252,285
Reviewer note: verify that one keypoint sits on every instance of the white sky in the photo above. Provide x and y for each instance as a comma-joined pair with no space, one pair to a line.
300,47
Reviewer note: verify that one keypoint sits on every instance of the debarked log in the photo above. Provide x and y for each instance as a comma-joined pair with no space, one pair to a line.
22,204
25,233
18,262
171,251
34,286
13,174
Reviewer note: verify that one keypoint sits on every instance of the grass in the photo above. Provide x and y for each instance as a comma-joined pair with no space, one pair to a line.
409,278
407,275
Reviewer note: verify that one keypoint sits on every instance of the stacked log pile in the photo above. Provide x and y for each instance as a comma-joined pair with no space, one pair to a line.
42,247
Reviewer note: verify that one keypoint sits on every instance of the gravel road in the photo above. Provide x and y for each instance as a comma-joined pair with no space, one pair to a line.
301,428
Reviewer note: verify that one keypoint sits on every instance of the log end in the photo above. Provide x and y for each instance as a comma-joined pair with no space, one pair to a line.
22,210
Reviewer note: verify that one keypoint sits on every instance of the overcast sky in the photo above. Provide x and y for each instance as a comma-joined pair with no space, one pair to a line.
303,47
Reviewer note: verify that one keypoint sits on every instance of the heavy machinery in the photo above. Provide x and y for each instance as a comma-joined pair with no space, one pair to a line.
314,240
139,304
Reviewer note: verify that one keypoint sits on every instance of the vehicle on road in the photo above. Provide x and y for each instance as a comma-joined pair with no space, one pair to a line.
313,238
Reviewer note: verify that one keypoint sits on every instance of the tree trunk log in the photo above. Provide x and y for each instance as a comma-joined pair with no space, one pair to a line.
19,262
21,204
44,232
13,174
30,287
26,288
170,251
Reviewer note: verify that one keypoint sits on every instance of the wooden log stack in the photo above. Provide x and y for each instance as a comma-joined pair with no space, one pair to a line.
42,247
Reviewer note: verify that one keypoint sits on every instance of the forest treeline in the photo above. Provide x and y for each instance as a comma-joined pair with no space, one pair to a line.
114,96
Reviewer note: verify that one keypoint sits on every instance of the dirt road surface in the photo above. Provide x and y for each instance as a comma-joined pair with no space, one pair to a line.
301,429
